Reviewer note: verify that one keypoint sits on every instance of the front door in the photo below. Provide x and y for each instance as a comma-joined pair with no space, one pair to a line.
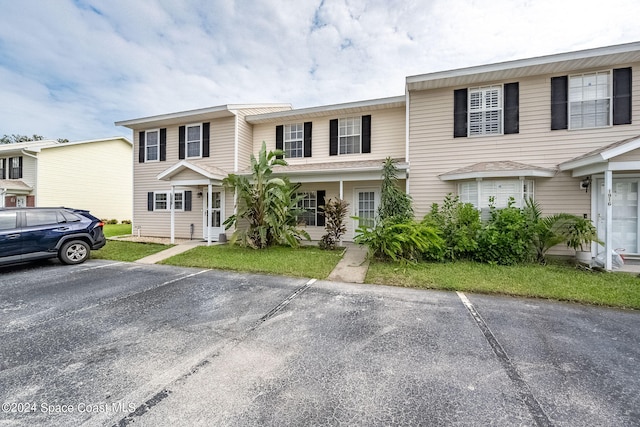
624,198
217,213
366,201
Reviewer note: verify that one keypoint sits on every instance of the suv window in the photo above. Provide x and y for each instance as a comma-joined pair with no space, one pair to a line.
7,220
69,217
35,218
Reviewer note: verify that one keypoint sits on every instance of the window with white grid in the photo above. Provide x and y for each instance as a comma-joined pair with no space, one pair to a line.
152,145
366,208
590,100
349,135
478,193
194,141
309,204
293,140
485,110
162,198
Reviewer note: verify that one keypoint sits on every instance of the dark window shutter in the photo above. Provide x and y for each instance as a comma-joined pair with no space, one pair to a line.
205,139
19,168
10,168
622,96
366,134
163,144
181,141
559,106
511,108
150,201
279,139
187,200
307,139
141,147
320,201
333,137
3,168
459,113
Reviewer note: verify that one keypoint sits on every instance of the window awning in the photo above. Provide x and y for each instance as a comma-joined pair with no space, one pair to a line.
179,174
498,169
15,186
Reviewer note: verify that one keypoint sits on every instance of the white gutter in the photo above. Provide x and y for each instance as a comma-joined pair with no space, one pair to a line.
406,130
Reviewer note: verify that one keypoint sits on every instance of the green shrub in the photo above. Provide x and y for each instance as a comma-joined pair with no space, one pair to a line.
126,221
399,241
459,224
506,239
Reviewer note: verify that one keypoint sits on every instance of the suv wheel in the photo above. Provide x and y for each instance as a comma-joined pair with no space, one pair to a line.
74,252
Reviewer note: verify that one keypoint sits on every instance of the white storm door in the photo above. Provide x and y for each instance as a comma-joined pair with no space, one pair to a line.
624,198
217,213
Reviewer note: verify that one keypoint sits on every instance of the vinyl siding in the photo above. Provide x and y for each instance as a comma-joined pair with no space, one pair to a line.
387,137
96,176
434,151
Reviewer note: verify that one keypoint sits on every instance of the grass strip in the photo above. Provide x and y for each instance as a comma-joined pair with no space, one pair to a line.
127,251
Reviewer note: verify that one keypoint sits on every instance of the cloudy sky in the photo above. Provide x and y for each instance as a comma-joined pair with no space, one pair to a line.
71,68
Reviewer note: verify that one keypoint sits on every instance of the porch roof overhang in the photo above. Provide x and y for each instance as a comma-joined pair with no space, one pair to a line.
208,174
600,160
498,169
15,186
362,170
601,57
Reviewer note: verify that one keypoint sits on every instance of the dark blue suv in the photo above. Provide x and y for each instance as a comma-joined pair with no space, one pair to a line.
36,233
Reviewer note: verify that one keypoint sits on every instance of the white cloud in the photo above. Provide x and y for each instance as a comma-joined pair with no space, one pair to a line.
71,68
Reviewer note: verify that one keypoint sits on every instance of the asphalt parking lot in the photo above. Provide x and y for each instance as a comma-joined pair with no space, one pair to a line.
107,343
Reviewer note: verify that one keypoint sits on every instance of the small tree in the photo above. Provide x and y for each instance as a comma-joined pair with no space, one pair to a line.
267,206
335,213
394,203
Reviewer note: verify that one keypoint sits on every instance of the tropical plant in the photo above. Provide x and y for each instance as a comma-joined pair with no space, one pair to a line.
459,224
399,241
394,203
546,232
267,206
581,232
335,213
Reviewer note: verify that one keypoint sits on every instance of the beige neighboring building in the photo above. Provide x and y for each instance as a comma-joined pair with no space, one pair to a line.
95,175
563,129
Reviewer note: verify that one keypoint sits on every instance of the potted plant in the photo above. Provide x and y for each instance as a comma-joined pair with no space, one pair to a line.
580,233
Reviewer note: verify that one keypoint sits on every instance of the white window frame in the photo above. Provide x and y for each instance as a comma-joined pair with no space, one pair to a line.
481,116
310,204
188,142
147,146
582,95
356,204
293,140
349,127
470,188
4,174
179,201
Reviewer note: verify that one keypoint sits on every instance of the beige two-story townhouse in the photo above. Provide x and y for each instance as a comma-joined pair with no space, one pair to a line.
563,129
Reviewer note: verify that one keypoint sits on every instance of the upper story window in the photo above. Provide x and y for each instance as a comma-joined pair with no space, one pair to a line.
152,145
487,110
11,168
293,140
350,135
590,100
194,141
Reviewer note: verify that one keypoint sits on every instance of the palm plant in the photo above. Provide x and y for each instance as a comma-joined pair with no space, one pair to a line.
546,232
267,206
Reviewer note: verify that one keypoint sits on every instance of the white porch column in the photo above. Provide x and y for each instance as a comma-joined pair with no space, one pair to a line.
341,189
173,214
209,205
608,236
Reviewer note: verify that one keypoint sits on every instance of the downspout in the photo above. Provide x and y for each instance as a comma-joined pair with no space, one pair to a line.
406,130
35,184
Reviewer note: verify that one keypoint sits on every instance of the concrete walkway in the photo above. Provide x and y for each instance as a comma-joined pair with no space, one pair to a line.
352,268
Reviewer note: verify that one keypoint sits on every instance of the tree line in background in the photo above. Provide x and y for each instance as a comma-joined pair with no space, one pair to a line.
13,139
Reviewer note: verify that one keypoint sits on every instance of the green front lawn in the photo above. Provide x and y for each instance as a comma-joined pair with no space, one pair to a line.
306,261
111,230
127,251
560,282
